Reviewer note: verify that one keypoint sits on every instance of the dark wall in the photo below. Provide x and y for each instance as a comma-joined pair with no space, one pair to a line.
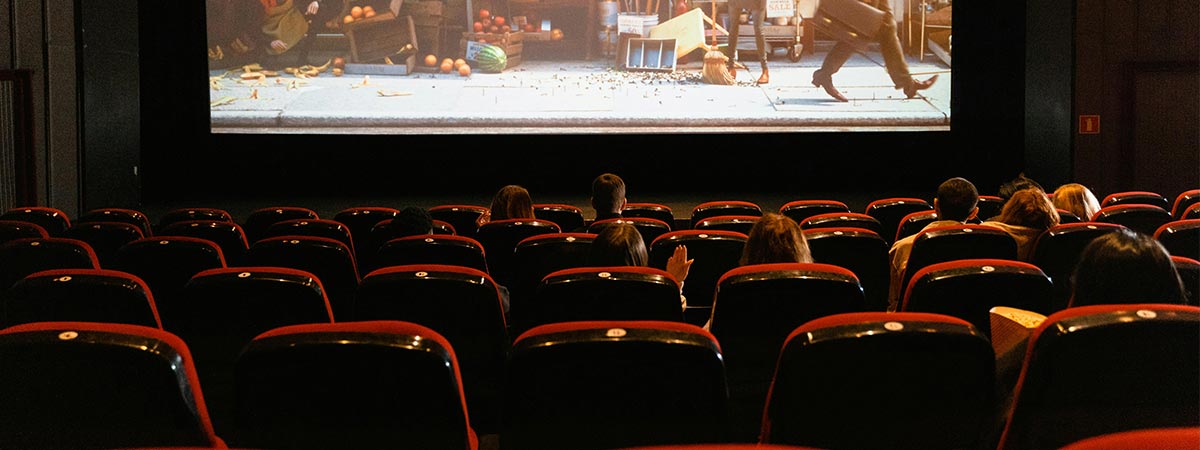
985,143
111,117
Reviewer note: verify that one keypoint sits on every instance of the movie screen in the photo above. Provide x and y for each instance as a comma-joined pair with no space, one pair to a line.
578,66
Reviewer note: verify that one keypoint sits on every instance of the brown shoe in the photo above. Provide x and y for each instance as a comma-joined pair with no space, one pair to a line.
910,91
826,81
765,77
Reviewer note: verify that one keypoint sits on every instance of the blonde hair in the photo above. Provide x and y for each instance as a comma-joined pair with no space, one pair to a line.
1077,199
775,238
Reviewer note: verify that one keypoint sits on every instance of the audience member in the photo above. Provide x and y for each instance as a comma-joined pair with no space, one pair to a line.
1024,217
621,244
775,238
1016,184
956,202
1125,267
1076,199
608,196
510,202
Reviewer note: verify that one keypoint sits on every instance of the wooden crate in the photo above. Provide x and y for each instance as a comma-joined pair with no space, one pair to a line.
429,18
512,43
382,36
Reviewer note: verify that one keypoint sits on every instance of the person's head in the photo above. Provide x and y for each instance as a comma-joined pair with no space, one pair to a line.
1077,199
957,200
412,221
1021,182
619,244
512,202
608,194
1125,267
775,238
1029,208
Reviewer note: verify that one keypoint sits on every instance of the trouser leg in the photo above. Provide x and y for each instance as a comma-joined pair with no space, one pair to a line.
731,50
836,57
759,16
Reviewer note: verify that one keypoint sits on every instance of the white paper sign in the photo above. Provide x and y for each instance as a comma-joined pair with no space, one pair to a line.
628,23
473,48
781,8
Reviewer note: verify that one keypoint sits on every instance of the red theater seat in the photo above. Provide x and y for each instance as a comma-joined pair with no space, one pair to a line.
22,257
500,239
956,242
187,214
1136,198
568,217
1095,370
604,385
432,249
331,261
462,217
890,211
1181,438
1180,237
98,385
603,293
724,208
538,256
969,288
842,220
105,238
258,220
11,230
1183,201
715,252
740,224
649,228
1057,251
360,220
1145,219
883,381
53,220
650,210
325,228
799,210
1189,274
124,215
80,295
227,235
166,263
989,207
377,384
913,223
862,251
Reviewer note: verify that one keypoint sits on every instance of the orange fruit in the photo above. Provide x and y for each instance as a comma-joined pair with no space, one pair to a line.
368,14
499,21
464,70
348,19
368,9
447,66
356,12
478,27
459,63
483,14
431,60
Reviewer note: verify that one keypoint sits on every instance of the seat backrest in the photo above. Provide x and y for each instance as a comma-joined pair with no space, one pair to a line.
1180,237
105,238
1145,219
568,217
799,210
500,239
913,223
360,220
53,220
189,214
223,309
613,384
1057,252
715,252
1065,216
956,242
226,234
1136,198
258,220
443,227
99,385
124,215
331,261
377,384
649,228
538,256
602,293
860,250
1177,438
462,217
1183,201
740,224
325,228
22,257
756,307
166,263
1095,370
849,219
989,207
1192,212
969,288
80,295
461,304
890,211
724,208
11,230
916,380
650,210
432,249
1189,274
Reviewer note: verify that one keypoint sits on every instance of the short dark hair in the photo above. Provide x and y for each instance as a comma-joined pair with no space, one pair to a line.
956,199
1021,182
411,221
1125,266
607,192
619,244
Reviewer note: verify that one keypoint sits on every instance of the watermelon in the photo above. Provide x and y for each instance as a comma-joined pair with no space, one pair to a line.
491,59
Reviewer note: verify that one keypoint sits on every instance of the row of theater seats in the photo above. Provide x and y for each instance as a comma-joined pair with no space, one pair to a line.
856,380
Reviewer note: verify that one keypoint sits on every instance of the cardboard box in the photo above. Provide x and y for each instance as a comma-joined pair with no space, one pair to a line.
382,36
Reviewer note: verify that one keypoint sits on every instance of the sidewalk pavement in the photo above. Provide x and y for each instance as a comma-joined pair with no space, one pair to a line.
586,96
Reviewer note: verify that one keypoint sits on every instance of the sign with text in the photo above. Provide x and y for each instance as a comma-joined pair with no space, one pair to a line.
781,8
473,48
